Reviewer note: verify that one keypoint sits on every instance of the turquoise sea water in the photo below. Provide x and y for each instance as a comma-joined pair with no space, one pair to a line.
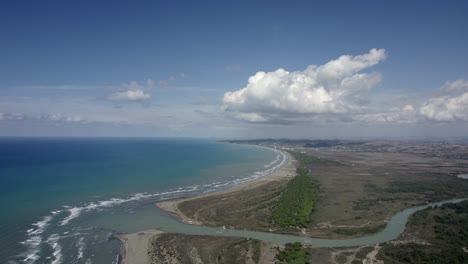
60,199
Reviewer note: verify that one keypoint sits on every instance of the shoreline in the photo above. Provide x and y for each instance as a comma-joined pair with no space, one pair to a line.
286,171
171,205
134,246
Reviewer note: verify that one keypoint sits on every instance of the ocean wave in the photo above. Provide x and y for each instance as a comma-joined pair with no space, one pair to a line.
32,244
53,242
34,240
70,213
74,212
280,160
277,158
40,226
81,248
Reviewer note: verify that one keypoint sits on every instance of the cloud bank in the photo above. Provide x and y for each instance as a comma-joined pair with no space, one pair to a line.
336,87
449,104
339,91
56,118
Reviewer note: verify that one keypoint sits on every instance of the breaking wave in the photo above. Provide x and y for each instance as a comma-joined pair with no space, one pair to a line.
62,217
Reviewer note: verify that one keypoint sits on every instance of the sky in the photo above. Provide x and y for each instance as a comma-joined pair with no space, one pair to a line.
234,69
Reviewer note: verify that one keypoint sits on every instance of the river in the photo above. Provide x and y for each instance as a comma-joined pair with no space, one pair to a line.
167,223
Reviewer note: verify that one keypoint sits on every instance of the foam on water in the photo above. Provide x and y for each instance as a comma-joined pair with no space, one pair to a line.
81,248
40,226
57,254
63,217
34,240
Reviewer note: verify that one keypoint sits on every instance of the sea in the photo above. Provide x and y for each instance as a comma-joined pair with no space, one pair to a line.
61,199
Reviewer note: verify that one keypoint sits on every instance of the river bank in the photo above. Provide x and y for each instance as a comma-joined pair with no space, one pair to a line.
135,245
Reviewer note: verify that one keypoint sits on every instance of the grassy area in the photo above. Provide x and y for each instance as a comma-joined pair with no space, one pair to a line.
361,255
180,248
306,160
415,253
432,187
293,254
297,202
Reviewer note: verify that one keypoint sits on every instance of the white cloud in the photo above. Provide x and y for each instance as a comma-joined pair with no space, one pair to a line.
405,114
449,104
333,88
11,116
130,95
133,92
62,118
42,117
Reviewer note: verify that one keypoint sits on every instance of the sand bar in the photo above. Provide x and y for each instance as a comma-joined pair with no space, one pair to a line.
134,248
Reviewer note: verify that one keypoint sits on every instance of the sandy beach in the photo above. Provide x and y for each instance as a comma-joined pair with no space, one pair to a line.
135,245
287,171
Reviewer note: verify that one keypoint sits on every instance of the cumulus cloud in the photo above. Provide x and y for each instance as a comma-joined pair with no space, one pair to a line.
336,87
133,92
449,104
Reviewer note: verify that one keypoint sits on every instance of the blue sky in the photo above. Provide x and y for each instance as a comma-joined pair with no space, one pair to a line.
172,68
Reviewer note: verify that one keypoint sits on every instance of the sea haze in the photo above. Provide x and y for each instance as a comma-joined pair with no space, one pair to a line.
60,199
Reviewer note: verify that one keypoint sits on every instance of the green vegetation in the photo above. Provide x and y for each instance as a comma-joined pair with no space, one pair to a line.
297,202
180,248
448,224
415,253
256,250
431,187
306,160
293,254
361,255
445,228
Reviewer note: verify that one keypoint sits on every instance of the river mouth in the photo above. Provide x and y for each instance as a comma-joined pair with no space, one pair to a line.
81,232
393,229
